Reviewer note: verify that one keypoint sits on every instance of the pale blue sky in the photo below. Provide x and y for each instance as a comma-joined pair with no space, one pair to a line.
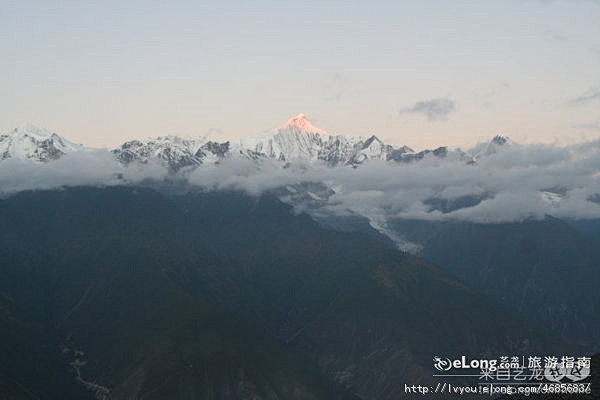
100,72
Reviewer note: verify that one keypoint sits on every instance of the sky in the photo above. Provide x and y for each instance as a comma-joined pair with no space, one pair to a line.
422,73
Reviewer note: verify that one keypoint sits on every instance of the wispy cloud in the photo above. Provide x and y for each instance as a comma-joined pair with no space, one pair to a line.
596,2
589,126
339,87
556,35
434,109
213,133
591,95
335,80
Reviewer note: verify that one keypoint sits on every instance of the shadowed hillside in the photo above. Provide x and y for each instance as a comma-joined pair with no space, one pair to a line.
223,296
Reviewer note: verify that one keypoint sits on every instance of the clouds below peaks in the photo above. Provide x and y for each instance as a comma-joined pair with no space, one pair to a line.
514,183
523,181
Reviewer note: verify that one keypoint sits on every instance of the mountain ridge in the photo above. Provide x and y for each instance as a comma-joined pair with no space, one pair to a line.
234,296
297,140
30,142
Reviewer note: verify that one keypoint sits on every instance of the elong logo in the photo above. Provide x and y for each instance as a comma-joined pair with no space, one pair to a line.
445,364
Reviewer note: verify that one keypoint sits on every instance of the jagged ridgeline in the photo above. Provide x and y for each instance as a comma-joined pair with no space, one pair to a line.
296,140
123,293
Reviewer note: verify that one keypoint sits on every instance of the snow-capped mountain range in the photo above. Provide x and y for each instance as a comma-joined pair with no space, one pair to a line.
33,143
298,140
330,176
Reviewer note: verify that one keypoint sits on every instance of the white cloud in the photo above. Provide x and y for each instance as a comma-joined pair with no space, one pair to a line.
508,183
434,109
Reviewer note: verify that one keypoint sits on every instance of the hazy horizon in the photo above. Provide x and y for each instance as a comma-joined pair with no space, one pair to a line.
221,137
422,75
